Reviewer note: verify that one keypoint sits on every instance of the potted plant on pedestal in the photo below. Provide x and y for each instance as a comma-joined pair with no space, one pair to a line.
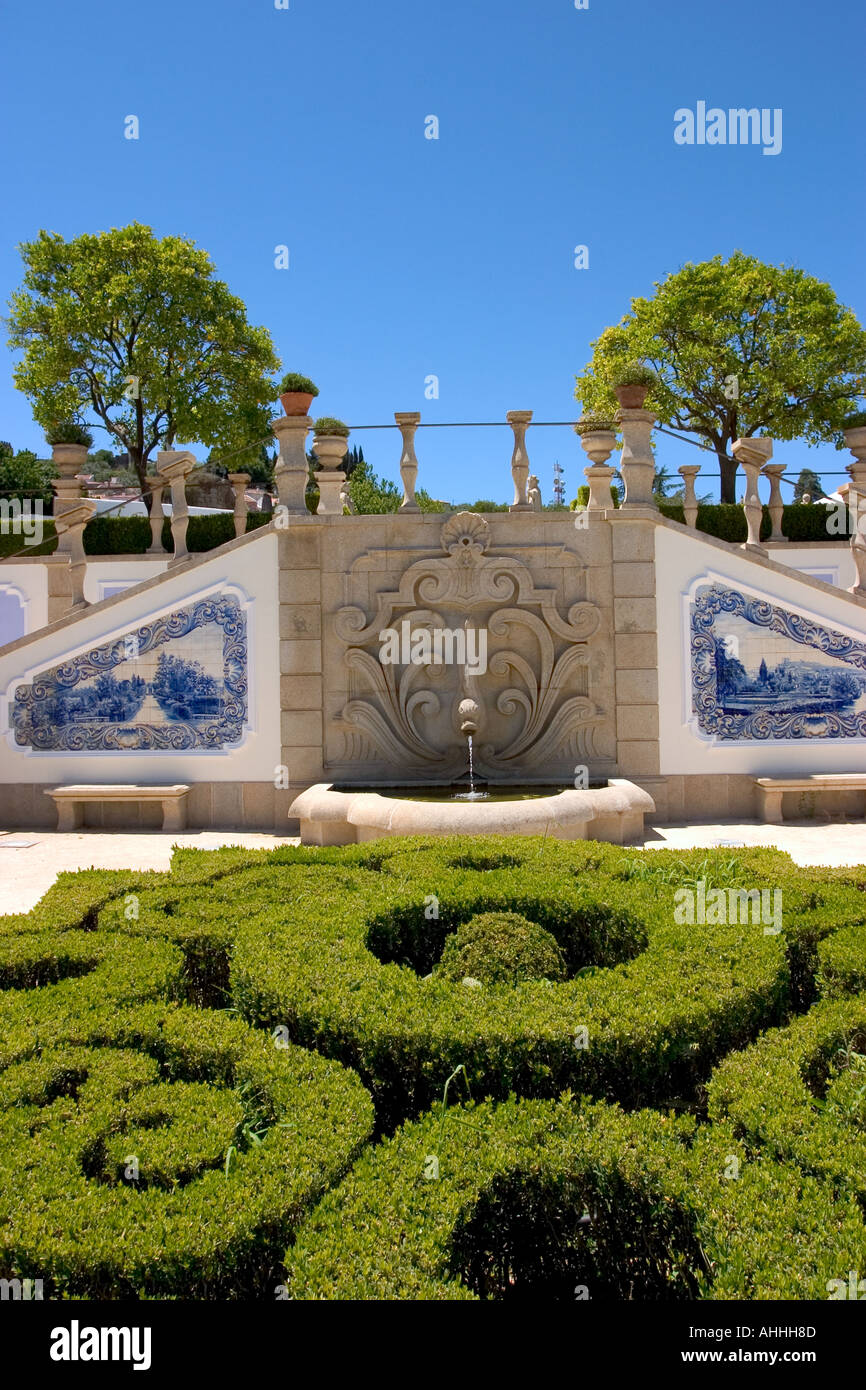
69,444
297,393
632,384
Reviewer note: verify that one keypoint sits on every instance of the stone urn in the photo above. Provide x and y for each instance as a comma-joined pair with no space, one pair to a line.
70,459
330,450
855,439
597,443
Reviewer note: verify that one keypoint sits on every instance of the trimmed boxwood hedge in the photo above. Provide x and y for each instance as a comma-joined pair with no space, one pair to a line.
727,521
799,1093
339,959
542,1199
234,1139
102,1058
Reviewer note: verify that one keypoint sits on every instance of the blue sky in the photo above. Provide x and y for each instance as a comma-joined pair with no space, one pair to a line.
412,257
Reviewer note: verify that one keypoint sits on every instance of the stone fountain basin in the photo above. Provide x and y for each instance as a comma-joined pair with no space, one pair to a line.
614,813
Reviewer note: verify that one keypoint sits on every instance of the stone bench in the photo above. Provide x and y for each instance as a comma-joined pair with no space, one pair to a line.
772,789
70,802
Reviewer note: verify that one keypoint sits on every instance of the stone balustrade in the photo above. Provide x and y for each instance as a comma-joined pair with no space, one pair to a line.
70,526
175,467
753,454
689,472
156,486
240,482
856,441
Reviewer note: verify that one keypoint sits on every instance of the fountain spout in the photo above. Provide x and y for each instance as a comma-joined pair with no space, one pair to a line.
468,713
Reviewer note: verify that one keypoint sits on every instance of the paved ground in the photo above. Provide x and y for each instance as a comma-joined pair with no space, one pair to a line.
31,860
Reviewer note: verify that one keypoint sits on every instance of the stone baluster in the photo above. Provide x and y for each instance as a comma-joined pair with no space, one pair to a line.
599,479
408,420
240,482
292,470
330,450
637,463
69,460
855,438
155,486
752,454
598,445
175,467
520,420
70,526
689,472
776,506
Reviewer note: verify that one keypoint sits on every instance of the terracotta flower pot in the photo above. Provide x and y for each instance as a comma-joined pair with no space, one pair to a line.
631,396
296,402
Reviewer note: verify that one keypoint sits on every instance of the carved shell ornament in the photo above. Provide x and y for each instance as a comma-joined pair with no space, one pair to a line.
465,535
547,703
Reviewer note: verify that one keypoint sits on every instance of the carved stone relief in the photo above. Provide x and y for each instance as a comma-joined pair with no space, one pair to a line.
531,710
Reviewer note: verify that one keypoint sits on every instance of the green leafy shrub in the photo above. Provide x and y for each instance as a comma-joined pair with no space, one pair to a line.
792,1094
341,960
328,425
174,1159
533,1199
501,948
293,381
635,374
69,432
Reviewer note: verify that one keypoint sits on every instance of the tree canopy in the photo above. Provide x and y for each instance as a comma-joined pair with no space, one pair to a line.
136,332
740,348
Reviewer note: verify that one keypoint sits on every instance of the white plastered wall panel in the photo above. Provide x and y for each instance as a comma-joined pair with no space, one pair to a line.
248,571
683,563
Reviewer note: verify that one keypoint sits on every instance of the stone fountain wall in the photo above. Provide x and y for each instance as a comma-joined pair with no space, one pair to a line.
569,616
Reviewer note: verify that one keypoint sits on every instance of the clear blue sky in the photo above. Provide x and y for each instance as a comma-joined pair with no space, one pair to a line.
412,257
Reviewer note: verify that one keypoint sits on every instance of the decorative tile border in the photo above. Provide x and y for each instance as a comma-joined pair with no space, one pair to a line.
222,711
709,697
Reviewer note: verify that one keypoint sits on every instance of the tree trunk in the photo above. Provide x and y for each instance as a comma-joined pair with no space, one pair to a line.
137,463
728,472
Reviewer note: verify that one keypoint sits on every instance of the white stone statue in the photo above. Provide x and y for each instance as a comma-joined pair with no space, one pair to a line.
533,494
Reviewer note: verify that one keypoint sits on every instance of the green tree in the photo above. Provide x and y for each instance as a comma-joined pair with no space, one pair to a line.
137,331
739,347
371,493
808,482
25,475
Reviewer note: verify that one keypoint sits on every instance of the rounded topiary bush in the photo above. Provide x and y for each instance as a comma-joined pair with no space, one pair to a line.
173,1157
501,948
342,958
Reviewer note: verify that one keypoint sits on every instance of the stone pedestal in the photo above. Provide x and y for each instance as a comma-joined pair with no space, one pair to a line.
156,486
689,472
292,470
175,467
637,463
599,479
752,454
240,482
330,450
69,460
520,420
776,506
70,541
408,422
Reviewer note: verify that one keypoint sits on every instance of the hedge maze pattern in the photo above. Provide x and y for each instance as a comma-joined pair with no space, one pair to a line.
449,1069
